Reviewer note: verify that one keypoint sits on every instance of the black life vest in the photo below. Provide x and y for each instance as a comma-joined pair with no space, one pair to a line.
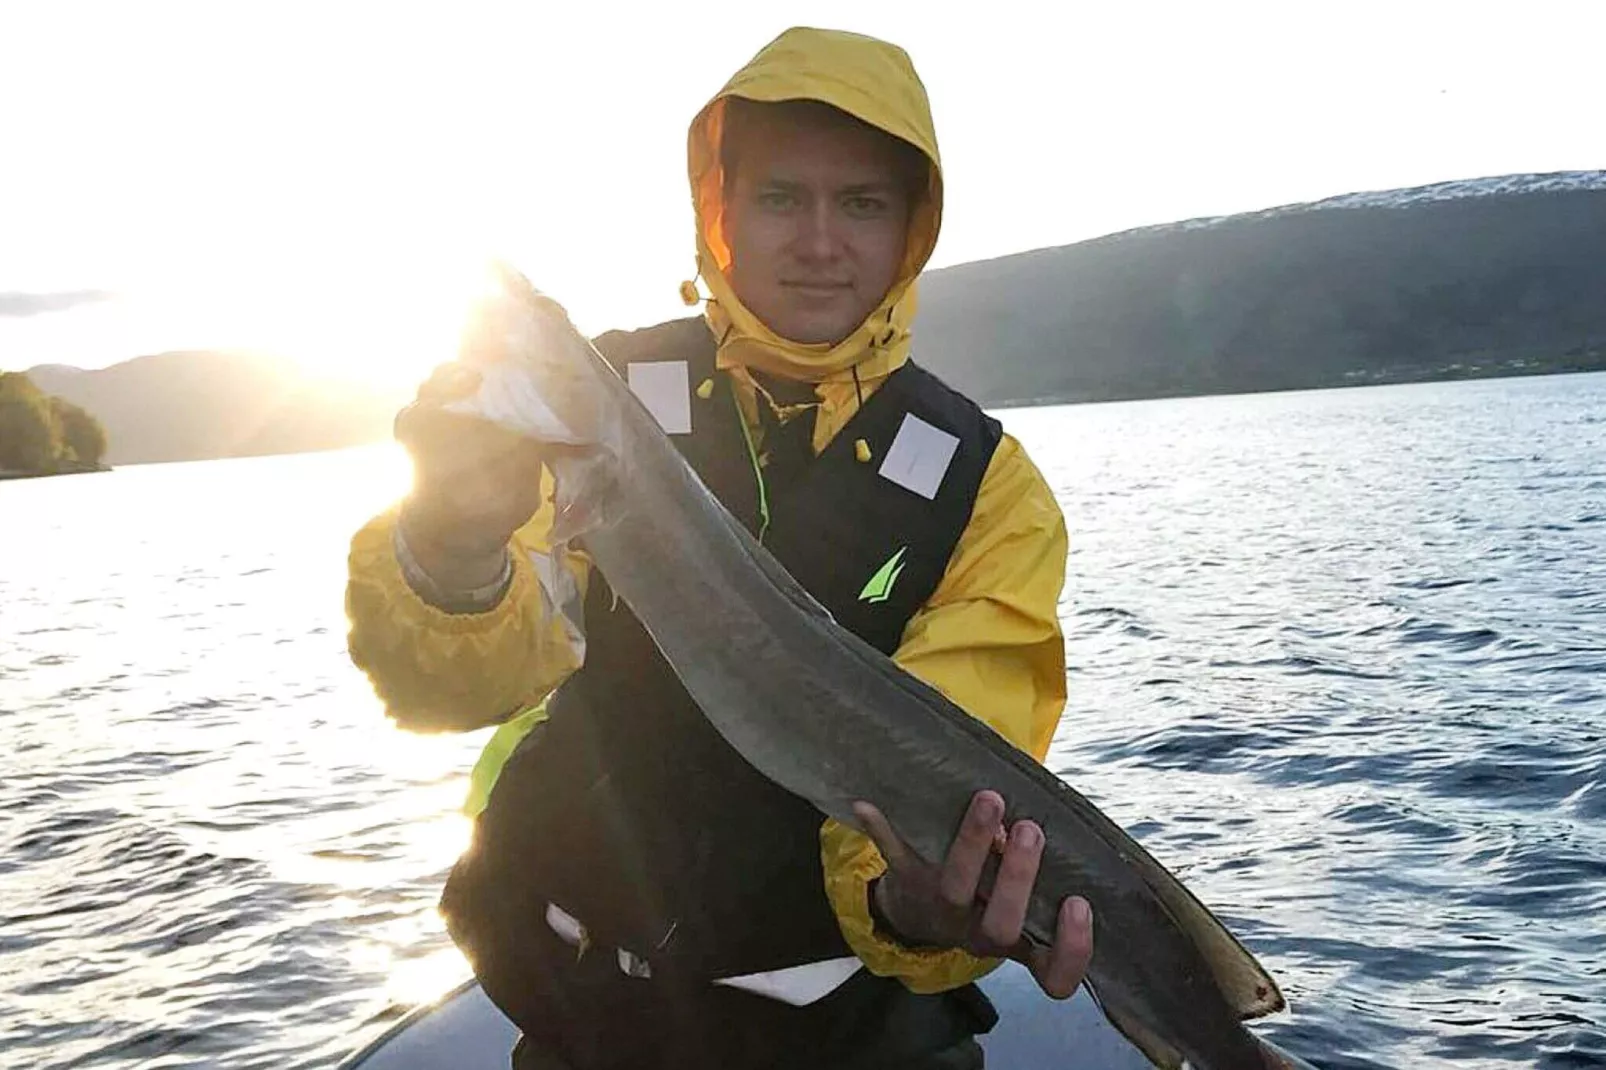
625,807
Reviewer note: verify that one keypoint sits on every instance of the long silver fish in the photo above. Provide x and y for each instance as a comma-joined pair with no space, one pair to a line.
826,716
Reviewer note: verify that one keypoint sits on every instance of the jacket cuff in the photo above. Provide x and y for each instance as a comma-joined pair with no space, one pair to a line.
378,590
922,970
469,600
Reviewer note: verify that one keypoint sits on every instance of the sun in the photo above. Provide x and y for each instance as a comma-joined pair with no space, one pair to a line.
370,320
374,314
371,286
386,325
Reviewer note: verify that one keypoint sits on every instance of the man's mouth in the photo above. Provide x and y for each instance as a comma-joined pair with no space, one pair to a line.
815,287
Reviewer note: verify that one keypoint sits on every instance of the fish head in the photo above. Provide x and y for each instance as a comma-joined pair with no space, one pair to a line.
527,370
533,372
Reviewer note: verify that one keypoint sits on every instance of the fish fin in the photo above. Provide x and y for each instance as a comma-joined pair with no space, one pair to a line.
1153,1048
585,497
1244,983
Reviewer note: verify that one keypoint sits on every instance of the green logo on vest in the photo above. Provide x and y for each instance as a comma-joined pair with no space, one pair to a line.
879,589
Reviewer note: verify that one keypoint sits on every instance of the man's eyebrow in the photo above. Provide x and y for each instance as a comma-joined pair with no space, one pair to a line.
856,188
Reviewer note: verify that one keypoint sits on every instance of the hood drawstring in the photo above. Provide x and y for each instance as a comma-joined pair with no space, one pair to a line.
783,413
882,334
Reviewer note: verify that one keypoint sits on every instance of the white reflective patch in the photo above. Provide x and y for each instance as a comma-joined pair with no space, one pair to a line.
631,964
664,386
566,925
798,985
919,457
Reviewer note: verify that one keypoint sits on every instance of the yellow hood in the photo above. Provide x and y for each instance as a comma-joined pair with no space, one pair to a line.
873,81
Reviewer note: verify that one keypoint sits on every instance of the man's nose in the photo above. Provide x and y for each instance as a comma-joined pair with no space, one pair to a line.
820,231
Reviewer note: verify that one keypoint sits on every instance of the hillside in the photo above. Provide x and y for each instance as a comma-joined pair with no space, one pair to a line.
1501,275
1487,276
194,405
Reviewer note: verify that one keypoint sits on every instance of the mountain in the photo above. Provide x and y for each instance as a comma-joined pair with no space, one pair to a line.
1489,276
193,405
1501,275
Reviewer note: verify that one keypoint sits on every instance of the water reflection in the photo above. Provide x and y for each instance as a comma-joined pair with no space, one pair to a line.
1336,658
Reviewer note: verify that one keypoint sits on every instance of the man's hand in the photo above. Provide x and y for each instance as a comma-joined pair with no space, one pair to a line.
474,485
939,905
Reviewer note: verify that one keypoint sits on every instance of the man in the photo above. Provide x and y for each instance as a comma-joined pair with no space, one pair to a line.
636,895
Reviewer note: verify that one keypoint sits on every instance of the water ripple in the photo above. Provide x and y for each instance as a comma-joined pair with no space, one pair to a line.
1337,658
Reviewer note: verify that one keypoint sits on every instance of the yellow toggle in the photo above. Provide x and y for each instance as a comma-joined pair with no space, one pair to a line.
705,389
861,450
688,292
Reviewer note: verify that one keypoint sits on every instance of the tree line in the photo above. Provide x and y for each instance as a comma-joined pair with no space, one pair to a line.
44,434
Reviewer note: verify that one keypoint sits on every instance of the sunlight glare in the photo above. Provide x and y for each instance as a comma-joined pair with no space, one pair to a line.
353,318
414,981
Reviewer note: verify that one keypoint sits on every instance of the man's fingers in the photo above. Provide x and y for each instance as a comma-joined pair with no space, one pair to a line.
515,462
1059,969
466,458
875,825
967,855
1006,905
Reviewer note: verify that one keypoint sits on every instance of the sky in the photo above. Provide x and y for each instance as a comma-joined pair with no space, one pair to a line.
321,180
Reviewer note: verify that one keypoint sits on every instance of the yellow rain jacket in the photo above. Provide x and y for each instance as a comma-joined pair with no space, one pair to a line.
989,637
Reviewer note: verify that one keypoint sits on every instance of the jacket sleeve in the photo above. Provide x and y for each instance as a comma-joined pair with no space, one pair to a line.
990,639
439,671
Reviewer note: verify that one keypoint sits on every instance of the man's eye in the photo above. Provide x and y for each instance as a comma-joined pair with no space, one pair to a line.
776,200
865,206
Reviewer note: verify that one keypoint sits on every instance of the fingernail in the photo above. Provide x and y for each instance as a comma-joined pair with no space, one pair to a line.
1081,912
989,808
1028,835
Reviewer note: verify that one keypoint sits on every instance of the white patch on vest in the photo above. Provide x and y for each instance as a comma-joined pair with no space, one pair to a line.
664,386
798,985
919,457
566,925
631,964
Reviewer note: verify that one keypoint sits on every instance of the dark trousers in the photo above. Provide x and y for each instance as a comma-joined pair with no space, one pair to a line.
966,1055
582,1013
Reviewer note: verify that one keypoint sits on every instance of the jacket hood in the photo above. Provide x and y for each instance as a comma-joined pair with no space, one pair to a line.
874,82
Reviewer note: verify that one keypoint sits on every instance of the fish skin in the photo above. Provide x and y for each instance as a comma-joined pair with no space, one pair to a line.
830,718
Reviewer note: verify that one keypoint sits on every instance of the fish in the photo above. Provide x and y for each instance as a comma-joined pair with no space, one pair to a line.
823,714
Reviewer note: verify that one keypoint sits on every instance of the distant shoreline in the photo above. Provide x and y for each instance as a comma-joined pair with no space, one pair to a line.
1394,377
15,473
1443,375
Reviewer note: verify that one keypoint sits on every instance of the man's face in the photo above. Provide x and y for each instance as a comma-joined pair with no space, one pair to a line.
817,218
